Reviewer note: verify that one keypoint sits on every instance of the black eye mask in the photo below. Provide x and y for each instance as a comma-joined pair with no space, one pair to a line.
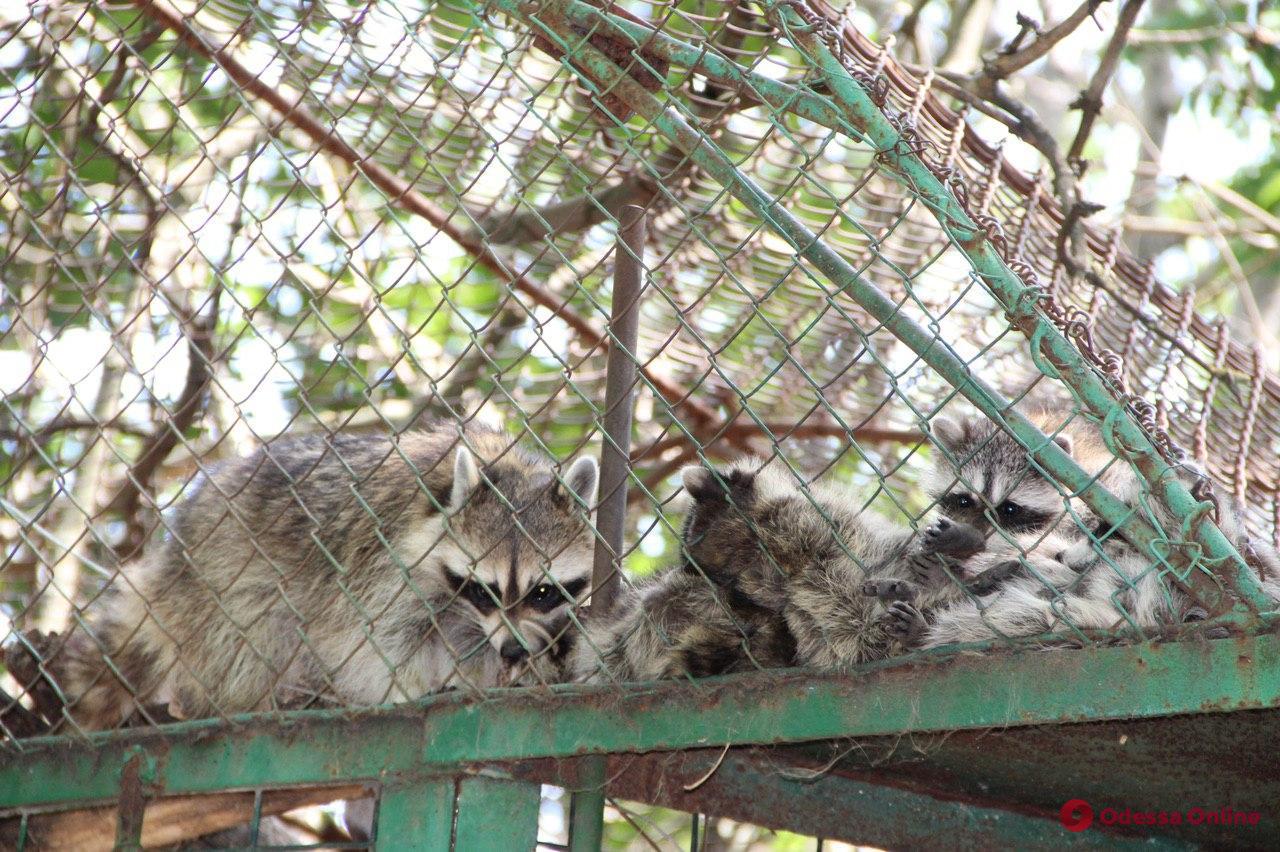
480,595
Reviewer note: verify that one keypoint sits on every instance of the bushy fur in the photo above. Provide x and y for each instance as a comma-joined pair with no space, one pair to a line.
775,573
347,569
679,624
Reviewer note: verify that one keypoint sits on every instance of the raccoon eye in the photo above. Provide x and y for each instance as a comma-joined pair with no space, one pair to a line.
478,596
1009,509
544,597
957,501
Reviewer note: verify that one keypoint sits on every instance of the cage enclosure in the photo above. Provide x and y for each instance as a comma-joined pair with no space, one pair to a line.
318,316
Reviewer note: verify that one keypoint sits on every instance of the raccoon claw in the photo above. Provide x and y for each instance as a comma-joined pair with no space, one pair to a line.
945,537
903,622
889,590
926,568
991,579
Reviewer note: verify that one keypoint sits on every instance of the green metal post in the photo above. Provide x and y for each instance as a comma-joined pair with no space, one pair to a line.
416,814
586,807
496,814
708,156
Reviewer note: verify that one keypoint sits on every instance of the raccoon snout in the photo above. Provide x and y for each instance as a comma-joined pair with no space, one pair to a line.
512,652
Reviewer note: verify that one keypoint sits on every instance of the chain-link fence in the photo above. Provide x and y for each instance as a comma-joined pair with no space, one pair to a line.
316,322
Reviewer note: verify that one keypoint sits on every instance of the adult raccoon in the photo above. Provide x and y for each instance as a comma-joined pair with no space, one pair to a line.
346,569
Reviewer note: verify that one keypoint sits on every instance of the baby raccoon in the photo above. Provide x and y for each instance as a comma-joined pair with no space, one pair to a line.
347,569
1046,571
1061,588
774,575
995,479
678,624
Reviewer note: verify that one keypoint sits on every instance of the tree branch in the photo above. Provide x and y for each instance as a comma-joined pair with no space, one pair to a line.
570,216
1008,63
1090,101
70,424
186,412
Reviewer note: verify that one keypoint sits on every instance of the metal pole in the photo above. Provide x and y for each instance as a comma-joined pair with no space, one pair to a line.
586,808
620,382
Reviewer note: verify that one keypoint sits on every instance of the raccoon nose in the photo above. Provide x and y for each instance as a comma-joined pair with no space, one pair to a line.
512,652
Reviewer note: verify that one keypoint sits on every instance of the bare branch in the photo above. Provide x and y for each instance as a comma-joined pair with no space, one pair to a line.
1256,36
186,412
777,431
70,424
575,214
1090,101
1010,63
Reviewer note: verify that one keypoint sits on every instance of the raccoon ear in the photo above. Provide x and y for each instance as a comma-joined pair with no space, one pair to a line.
947,432
702,483
1062,439
466,478
583,479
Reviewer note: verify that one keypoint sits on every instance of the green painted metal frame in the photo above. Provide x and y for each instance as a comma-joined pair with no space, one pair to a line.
416,813
857,114
440,733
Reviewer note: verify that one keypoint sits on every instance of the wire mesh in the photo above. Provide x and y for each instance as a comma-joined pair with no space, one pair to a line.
304,355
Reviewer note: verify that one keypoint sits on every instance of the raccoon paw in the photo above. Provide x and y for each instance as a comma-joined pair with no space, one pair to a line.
889,590
926,568
903,622
945,537
991,579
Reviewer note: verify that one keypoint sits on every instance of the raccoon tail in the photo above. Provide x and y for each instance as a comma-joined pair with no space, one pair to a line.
109,668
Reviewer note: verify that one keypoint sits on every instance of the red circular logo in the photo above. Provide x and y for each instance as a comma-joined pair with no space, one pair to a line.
1076,815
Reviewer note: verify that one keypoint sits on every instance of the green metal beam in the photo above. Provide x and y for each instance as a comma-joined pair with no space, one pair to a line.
1019,302
586,807
321,746
548,19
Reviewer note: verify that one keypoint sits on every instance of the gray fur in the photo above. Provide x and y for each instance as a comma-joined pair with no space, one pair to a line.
774,575
280,563
1068,580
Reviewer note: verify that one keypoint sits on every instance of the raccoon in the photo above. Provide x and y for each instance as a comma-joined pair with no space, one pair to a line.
1056,581
349,570
774,574
678,624
1060,587
995,480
